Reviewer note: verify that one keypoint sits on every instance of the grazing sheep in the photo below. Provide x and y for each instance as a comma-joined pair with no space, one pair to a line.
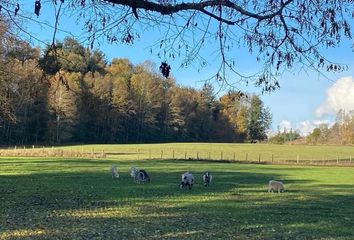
276,185
207,177
134,173
187,180
114,171
142,176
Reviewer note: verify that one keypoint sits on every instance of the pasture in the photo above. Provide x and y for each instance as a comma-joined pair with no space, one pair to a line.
270,153
76,198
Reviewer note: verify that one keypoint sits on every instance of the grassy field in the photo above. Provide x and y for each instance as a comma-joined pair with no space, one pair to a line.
217,151
61,198
323,155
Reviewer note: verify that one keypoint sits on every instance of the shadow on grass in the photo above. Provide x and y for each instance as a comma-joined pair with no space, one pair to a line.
91,205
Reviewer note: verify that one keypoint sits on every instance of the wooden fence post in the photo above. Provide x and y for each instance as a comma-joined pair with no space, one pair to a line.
246,156
197,155
234,156
161,154
259,158
173,154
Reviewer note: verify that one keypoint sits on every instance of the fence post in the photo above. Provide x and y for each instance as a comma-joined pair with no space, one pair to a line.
173,154
259,158
197,155
221,155
297,159
161,154
234,156
209,156
185,155
246,156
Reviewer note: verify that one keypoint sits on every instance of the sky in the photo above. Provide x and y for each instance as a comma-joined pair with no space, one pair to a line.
305,98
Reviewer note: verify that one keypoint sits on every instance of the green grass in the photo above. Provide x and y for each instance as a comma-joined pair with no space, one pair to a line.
60,198
225,150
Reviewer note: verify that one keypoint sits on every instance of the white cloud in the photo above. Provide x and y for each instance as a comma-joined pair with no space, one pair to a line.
339,96
284,125
303,128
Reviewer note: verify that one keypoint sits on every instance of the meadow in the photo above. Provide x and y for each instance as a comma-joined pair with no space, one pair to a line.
76,198
302,154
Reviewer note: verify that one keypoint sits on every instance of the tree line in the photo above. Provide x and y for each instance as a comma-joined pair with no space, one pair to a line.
341,132
72,95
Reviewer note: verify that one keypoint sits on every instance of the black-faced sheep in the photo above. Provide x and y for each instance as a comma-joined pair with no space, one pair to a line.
187,180
114,171
276,185
207,177
143,177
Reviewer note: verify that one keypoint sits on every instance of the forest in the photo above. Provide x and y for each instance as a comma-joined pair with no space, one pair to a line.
73,95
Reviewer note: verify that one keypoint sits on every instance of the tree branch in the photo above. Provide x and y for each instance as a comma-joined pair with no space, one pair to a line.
200,6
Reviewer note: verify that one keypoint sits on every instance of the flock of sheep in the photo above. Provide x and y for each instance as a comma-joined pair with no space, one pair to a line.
187,179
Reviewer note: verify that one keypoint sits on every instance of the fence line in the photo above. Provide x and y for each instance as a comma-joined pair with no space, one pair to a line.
138,154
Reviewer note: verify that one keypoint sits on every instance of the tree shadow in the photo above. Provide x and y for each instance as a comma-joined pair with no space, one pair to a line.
91,205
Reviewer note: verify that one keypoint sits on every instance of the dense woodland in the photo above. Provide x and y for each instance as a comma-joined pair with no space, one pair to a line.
75,96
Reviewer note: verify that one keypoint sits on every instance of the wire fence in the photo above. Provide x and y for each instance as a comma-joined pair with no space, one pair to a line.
173,154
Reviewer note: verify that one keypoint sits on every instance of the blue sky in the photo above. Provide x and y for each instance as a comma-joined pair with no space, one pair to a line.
304,100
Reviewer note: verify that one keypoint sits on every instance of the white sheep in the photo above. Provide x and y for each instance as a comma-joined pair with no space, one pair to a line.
207,177
134,173
276,185
187,180
114,171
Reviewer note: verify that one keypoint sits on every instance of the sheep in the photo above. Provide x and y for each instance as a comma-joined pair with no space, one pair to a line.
114,171
187,180
139,176
276,185
142,176
207,177
134,173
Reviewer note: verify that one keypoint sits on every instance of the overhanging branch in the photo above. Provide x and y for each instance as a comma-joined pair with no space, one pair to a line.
167,9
